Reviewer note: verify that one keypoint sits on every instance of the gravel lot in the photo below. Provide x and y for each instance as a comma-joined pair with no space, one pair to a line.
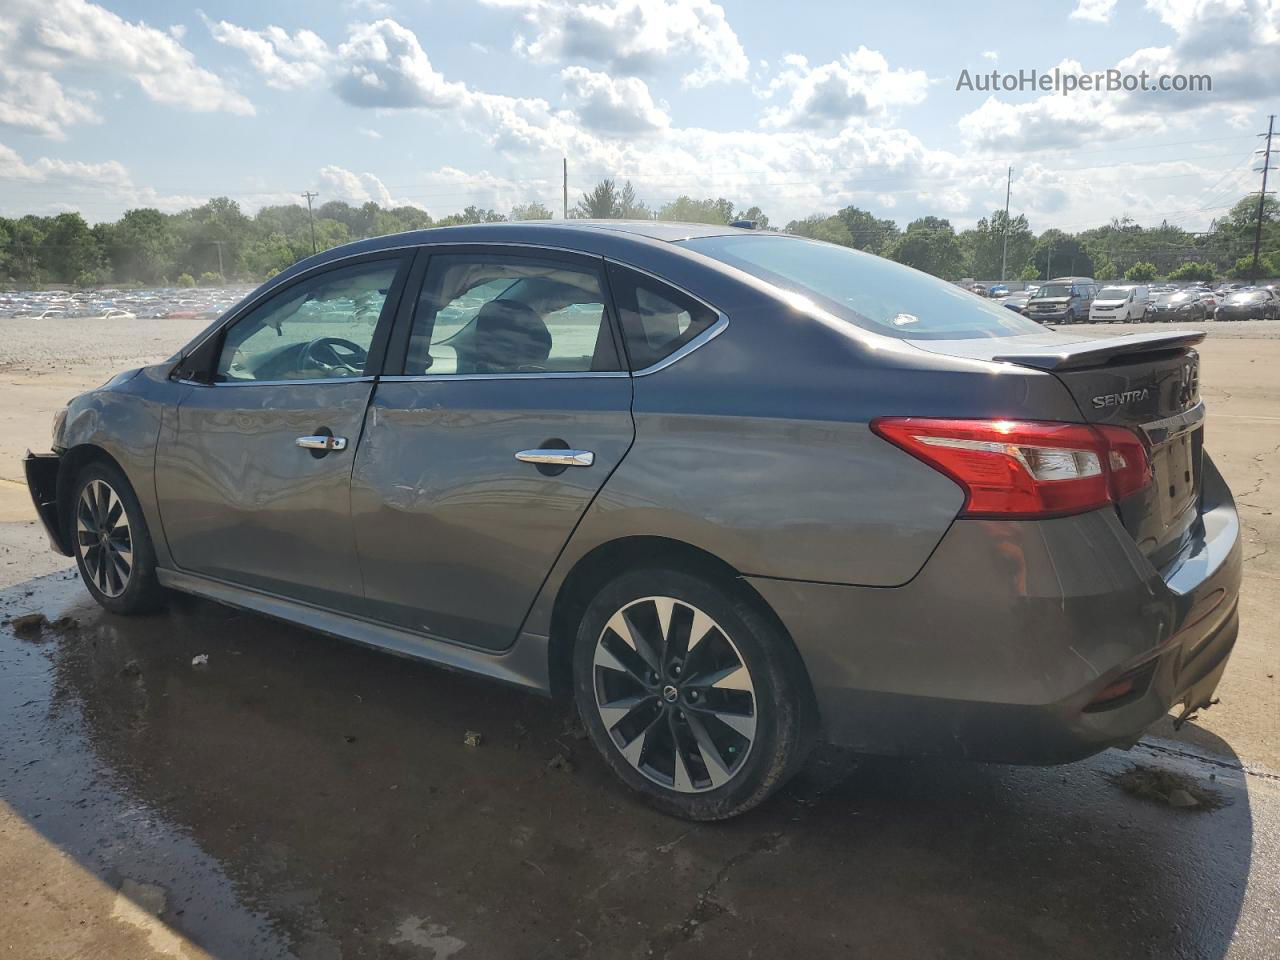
301,797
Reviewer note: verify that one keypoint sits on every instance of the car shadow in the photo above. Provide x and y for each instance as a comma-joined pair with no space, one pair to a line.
299,796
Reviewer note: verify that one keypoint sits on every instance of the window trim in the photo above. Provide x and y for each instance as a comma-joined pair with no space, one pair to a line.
412,276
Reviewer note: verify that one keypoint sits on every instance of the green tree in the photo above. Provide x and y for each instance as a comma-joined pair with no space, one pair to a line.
984,245
868,232
1059,254
472,215
1029,272
533,210
1141,273
1192,271
685,209
69,249
141,245
930,244
602,203
1268,266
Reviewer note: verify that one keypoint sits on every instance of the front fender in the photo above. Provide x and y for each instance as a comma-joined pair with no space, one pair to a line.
122,420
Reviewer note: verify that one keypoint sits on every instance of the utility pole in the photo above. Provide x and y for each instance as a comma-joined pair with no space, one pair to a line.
565,184
311,217
1262,199
221,272
1048,267
1004,257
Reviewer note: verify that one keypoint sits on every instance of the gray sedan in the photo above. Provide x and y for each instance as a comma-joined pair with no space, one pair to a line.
730,491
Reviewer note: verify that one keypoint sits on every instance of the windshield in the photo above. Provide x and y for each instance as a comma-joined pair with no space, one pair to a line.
1054,290
1114,293
868,291
1248,296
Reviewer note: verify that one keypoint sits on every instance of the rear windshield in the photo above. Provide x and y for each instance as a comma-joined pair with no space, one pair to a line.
866,290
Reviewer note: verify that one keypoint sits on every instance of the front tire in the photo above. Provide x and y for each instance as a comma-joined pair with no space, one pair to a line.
112,546
695,699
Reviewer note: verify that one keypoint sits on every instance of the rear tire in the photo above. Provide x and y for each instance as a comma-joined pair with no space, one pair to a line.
693,696
113,550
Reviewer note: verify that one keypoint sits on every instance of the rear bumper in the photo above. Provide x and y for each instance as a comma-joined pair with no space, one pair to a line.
42,483
1000,647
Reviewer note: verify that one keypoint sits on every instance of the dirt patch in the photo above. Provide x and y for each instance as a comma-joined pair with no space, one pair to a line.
1168,789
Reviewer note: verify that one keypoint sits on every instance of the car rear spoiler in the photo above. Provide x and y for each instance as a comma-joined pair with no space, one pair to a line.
1096,353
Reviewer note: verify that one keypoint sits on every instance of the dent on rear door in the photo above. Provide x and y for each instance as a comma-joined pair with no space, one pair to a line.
455,536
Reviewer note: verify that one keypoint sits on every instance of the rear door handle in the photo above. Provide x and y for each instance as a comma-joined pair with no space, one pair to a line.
558,458
322,442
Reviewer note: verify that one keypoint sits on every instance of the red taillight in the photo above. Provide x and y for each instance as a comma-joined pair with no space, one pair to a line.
1019,468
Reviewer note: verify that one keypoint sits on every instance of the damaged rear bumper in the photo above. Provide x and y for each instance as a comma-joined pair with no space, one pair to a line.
1022,642
42,483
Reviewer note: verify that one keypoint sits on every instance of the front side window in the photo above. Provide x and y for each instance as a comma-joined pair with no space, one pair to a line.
498,314
868,291
320,328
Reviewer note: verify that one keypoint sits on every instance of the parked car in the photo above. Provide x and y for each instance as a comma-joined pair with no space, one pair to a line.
1177,306
998,290
1119,305
729,490
1063,300
1249,304
1017,302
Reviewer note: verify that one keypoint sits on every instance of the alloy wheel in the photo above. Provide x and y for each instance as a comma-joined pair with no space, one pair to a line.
674,694
103,539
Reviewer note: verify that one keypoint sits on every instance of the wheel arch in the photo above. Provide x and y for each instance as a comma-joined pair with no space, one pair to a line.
73,460
607,560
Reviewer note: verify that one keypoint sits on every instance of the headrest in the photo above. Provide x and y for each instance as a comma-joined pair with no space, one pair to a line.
510,337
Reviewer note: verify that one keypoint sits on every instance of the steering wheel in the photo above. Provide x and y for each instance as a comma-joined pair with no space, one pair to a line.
327,354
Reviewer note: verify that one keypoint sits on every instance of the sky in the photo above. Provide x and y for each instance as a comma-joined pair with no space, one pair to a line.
797,107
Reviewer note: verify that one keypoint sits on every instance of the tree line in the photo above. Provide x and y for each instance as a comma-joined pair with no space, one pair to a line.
217,241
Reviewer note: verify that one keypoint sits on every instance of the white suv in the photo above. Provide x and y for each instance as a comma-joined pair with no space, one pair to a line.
1122,304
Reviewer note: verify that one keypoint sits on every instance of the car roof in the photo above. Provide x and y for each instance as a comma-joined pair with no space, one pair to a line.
599,237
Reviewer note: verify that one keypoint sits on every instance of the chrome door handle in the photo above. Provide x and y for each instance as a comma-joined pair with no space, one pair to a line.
320,442
558,458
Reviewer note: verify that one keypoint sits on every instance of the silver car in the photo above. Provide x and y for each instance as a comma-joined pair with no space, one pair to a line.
731,491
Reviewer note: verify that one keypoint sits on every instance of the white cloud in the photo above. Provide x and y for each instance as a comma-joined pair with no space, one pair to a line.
991,55
336,183
105,189
634,37
382,64
1236,43
621,106
46,36
284,61
371,134
857,84
33,101
1097,11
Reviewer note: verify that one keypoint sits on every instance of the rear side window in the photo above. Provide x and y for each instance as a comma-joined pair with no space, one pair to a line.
868,291
656,320
499,314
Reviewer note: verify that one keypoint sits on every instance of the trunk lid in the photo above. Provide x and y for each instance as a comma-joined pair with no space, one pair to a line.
1146,381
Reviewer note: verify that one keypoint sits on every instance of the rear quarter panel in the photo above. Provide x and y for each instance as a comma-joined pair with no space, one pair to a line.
757,449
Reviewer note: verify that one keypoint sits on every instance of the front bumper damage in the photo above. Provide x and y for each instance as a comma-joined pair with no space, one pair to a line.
42,483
